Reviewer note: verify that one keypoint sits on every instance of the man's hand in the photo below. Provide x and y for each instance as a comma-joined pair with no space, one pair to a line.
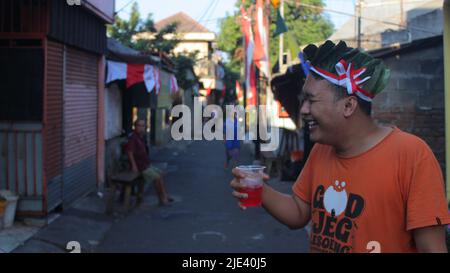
237,186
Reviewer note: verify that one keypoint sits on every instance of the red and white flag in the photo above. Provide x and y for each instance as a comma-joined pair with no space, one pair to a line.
173,84
261,52
239,93
133,74
250,81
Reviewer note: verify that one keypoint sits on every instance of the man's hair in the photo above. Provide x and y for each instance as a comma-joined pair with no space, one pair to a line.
136,121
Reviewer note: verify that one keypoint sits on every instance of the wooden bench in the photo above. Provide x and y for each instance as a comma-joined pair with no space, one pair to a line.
126,181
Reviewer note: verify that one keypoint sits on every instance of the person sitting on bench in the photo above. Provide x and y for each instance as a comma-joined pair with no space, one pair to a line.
138,154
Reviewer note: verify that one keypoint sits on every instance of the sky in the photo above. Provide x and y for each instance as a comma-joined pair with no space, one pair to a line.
208,12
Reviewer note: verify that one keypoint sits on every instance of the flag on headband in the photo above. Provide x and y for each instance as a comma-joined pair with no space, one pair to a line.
355,70
305,64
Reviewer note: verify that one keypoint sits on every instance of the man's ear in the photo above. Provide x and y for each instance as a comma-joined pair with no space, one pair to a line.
350,106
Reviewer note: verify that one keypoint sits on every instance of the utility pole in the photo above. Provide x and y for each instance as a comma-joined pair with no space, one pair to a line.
358,14
281,56
258,90
402,18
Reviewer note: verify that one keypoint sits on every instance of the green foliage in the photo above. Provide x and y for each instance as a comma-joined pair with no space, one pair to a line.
125,30
307,25
183,65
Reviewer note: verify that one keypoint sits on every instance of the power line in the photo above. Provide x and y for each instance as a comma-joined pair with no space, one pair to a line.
126,5
211,3
212,10
364,18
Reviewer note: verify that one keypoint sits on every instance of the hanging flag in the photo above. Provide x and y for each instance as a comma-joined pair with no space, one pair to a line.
173,84
251,92
116,71
261,51
135,74
280,25
132,74
258,52
149,78
224,90
248,46
208,91
239,93
157,76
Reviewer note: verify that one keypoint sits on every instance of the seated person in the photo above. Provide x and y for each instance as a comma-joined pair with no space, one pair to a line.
138,154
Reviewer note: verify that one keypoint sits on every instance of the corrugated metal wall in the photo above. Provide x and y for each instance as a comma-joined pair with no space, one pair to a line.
54,114
76,26
21,163
80,123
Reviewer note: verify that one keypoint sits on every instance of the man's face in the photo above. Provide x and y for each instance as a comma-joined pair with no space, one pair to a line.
140,127
320,111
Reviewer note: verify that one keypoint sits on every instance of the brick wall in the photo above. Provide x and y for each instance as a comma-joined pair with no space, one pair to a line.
414,98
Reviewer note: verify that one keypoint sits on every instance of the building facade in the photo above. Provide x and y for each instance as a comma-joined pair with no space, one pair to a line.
51,117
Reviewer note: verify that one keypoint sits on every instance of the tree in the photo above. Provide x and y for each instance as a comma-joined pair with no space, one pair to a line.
164,40
125,31
307,25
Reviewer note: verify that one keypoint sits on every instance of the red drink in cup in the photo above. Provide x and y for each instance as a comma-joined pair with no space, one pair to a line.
253,180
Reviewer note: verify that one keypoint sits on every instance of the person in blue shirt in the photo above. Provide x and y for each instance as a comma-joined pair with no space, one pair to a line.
232,146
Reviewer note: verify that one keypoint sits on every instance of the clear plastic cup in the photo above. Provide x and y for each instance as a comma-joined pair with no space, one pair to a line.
253,182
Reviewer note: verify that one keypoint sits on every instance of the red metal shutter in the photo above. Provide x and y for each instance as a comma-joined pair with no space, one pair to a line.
80,123
54,123
54,109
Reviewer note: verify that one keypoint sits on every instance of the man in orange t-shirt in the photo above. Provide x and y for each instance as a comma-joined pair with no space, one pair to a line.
365,187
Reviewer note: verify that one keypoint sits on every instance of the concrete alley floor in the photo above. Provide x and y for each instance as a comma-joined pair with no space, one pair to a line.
204,218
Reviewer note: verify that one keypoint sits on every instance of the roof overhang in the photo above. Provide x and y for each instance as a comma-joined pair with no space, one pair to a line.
101,8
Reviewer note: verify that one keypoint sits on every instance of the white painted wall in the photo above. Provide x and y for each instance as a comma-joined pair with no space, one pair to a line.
113,112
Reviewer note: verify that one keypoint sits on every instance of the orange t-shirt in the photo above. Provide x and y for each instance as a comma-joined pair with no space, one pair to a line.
373,201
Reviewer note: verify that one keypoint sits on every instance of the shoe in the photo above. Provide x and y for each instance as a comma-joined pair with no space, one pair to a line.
167,203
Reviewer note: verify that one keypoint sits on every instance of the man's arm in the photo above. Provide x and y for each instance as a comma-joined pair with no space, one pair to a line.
288,209
430,239
132,161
